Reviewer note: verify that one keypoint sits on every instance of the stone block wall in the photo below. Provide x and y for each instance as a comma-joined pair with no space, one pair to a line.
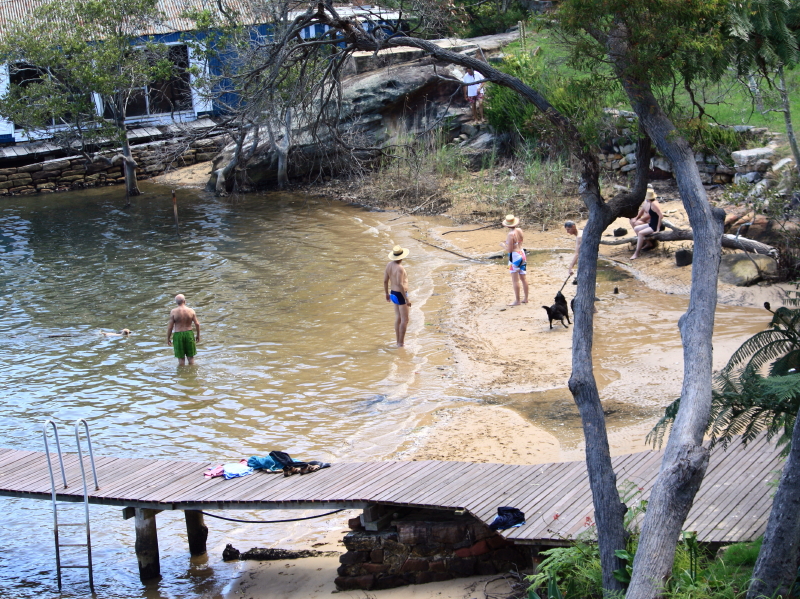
416,551
64,174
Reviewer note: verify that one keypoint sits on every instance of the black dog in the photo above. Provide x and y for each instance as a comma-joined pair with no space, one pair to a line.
558,311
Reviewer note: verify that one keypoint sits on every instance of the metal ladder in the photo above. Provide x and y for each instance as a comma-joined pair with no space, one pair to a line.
56,525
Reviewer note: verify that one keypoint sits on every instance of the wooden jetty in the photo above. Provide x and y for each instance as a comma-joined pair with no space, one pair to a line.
732,505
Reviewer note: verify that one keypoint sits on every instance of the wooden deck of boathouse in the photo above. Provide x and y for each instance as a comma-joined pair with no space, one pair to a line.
732,505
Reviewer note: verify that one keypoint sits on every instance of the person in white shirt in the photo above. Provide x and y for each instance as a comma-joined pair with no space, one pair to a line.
474,93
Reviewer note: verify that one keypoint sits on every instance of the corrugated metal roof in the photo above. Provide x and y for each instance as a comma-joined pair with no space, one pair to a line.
12,11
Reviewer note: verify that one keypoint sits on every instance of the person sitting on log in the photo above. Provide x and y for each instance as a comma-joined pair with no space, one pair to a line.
655,224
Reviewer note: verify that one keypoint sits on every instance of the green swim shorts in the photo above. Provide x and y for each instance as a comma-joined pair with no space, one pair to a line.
183,344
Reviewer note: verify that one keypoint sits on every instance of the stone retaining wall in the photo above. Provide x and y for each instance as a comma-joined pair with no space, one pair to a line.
416,551
64,174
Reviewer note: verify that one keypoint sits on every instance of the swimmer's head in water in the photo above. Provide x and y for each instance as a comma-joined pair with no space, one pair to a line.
179,299
125,331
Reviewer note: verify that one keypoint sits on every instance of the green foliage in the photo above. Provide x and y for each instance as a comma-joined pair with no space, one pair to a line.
575,571
744,401
488,18
708,138
666,40
581,98
765,34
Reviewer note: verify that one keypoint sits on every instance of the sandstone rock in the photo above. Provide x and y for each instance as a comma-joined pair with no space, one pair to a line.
415,564
469,130
738,269
750,157
781,164
361,541
762,166
725,170
661,163
354,557
55,165
628,167
29,168
750,177
18,176
349,583
370,568
390,582
230,553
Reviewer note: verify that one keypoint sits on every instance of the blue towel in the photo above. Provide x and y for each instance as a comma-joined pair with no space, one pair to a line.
236,470
265,463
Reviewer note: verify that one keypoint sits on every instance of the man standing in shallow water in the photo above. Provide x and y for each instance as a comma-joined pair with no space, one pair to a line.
395,274
183,341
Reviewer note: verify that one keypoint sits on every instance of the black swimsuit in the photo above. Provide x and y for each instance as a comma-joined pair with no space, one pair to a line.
654,219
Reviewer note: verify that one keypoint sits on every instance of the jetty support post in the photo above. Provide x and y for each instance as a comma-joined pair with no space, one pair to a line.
197,531
147,543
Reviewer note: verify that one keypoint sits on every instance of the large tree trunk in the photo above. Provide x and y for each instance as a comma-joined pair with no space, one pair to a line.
609,511
685,459
776,567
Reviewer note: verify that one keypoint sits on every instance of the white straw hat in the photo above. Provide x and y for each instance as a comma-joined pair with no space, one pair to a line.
510,221
398,253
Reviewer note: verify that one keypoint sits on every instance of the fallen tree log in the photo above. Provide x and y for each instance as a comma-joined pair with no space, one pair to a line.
728,241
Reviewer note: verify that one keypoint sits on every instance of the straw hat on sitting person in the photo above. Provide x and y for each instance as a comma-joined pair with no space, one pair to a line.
651,194
398,253
511,221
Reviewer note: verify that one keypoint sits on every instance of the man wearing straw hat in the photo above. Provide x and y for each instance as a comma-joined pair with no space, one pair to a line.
517,261
395,275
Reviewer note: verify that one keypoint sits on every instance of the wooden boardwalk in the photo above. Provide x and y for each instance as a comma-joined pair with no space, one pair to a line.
732,505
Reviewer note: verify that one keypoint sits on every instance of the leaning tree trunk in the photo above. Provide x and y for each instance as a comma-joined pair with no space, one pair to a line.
786,108
609,511
685,459
129,168
776,566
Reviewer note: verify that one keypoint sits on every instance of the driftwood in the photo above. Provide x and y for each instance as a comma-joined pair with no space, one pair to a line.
728,241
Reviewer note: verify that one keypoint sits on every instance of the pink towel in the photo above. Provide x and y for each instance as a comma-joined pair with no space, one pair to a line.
215,471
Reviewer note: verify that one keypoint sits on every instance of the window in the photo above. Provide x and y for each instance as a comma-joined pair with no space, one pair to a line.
24,75
163,97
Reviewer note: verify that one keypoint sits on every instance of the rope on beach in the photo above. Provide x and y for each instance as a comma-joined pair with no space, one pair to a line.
470,230
451,251
270,521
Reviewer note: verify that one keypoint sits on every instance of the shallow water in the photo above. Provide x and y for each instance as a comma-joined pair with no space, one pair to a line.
296,352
